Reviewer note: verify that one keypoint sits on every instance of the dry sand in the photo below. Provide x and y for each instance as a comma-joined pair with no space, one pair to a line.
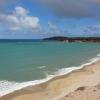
84,93
78,85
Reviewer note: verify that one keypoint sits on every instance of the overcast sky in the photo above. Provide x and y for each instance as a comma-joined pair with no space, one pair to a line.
44,18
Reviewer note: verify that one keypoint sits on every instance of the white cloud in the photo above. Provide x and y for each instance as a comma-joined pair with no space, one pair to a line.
21,11
19,19
52,25
54,28
30,22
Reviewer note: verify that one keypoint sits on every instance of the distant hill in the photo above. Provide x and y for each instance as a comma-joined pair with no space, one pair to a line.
73,39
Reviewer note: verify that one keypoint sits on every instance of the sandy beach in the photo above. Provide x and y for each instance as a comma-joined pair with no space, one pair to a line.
84,93
81,83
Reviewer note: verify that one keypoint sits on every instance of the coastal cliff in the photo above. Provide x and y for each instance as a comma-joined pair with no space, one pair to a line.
73,39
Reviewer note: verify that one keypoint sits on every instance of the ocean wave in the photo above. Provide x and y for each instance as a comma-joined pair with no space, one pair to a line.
42,67
7,87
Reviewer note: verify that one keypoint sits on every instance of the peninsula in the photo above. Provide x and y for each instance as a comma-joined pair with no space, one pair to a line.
73,39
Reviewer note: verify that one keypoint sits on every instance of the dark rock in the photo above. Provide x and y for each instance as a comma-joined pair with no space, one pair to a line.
80,89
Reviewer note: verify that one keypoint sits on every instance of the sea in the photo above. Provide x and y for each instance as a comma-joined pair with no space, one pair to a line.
30,62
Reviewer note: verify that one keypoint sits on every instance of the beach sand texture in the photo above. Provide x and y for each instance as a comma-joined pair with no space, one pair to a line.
84,93
81,84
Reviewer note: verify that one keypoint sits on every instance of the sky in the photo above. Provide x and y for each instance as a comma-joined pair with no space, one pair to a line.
34,19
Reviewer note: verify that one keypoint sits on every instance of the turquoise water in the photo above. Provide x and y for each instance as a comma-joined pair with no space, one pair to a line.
27,61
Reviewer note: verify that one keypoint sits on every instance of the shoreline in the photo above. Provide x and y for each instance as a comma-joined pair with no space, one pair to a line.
58,86
60,73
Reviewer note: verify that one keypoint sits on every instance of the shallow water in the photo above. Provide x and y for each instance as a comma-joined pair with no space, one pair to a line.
27,61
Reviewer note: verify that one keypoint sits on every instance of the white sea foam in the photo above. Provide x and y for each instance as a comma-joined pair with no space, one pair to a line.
7,87
41,67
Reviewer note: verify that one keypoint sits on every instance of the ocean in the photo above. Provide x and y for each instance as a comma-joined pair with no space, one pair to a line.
25,63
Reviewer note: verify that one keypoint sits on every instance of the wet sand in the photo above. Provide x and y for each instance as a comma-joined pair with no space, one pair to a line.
62,87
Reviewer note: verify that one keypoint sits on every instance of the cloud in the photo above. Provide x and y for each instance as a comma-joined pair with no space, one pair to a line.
56,30
52,26
91,30
94,28
64,8
21,11
19,19
4,4
74,8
